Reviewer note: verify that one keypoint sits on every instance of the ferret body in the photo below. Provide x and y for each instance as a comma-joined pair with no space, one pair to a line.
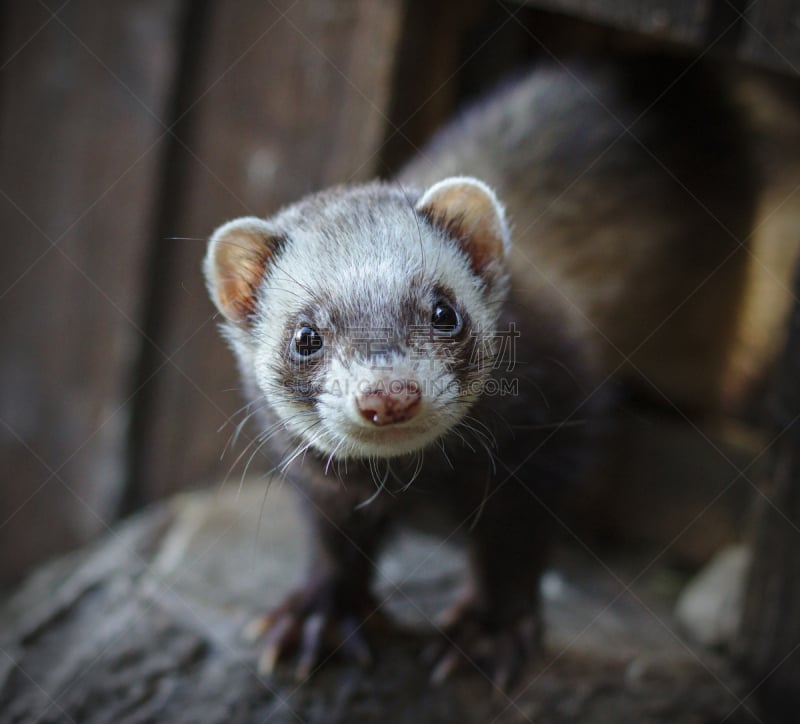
440,342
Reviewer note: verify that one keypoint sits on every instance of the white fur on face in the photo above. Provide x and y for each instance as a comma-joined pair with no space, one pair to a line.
358,275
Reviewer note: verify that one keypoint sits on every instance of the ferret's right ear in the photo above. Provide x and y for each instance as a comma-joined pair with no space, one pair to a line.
468,211
237,257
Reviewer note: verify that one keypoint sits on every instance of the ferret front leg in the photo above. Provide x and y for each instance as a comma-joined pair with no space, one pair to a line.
495,626
331,610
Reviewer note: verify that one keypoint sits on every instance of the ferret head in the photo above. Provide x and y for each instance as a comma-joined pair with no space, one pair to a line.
364,316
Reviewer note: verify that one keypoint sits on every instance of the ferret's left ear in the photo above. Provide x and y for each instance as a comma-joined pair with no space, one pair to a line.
468,211
236,261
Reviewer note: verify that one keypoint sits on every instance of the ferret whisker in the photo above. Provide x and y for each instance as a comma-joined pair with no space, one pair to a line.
440,444
379,483
335,462
278,267
258,448
298,450
263,439
482,429
333,453
419,457
237,429
488,443
234,438
536,386
305,445
259,441
272,429
504,421
482,505
464,442
414,216
230,418
386,473
272,287
570,372
483,441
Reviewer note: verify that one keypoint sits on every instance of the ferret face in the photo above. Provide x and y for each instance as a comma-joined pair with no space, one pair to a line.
364,317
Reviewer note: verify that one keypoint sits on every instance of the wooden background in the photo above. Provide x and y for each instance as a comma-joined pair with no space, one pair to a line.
131,129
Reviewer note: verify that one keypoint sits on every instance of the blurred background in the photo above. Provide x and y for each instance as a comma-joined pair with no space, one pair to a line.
131,129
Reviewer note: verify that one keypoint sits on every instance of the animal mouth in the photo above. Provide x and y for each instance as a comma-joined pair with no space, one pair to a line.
391,437
388,433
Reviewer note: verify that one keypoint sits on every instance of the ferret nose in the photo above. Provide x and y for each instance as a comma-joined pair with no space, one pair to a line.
398,402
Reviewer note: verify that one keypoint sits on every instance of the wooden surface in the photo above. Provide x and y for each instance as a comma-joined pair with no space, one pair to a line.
679,20
146,626
772,35
769,646
80,144
762,33
284,104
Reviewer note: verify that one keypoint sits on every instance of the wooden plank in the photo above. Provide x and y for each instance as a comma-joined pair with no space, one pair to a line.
426,81
147,626
766,34
771,35
769,637
78,154
681,21
293,98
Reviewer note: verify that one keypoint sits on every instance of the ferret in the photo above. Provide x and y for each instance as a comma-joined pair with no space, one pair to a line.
456,339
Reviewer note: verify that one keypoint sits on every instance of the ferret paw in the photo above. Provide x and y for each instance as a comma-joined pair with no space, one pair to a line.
472,639
308,623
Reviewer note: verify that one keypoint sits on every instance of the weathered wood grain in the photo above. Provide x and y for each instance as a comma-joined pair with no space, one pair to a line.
146,626
676,20
760,33
769,645
79,153
772,35
291,97
427,76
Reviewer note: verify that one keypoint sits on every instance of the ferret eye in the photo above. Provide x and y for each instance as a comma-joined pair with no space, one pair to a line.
445,320
307,341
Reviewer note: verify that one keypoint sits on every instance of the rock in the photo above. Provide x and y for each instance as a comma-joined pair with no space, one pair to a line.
146,626
710,607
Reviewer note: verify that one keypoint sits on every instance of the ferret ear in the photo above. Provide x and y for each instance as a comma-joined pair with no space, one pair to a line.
468,211
237,257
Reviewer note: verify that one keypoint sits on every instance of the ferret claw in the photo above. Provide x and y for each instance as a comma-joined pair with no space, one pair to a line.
280,638
311,645
267,661
301,625
499,652
256,628
444,669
